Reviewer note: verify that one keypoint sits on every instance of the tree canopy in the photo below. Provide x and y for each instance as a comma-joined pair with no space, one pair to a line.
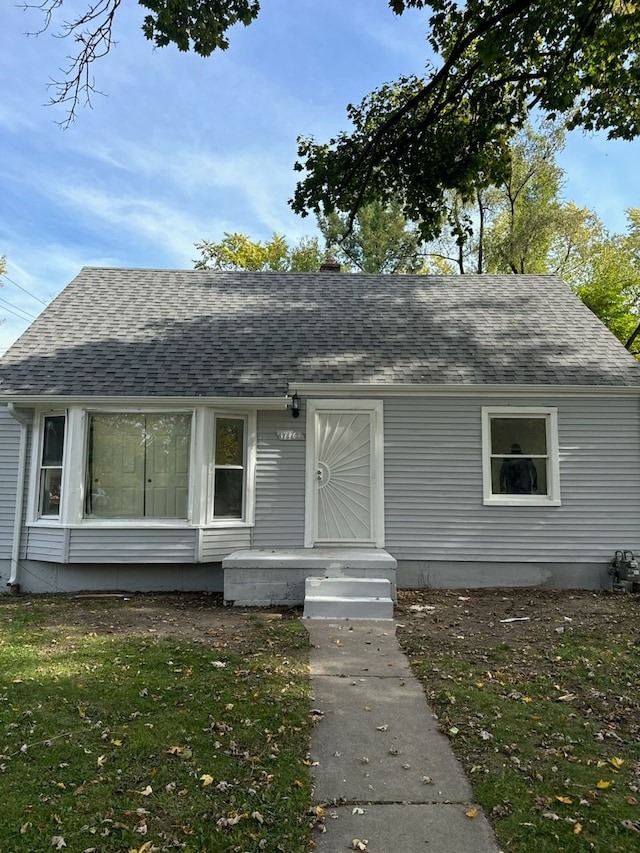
382,241
238,252
419,138
379,240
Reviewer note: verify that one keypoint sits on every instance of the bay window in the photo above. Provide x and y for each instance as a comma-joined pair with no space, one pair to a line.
520,456
143,468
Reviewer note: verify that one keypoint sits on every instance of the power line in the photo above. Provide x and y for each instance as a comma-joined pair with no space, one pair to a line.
13,309
24,289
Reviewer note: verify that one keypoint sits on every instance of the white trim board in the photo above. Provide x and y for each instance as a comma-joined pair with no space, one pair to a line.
356,389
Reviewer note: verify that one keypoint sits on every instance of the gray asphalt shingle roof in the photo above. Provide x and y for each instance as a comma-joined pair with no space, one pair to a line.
191,333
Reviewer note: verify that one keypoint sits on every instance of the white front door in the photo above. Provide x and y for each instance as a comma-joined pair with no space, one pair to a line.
344,495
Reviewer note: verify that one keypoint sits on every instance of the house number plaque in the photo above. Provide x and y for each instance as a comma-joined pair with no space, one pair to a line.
290,434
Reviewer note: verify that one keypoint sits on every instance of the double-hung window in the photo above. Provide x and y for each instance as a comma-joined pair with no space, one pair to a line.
51,466
520,456
230,466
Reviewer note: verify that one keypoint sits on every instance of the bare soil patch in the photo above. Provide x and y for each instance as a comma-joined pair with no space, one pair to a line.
469,622
196,617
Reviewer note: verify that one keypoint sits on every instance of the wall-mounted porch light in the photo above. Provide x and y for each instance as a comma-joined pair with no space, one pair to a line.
295,405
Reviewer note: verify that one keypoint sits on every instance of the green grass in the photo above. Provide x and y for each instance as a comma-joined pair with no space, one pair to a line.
548,731
111,743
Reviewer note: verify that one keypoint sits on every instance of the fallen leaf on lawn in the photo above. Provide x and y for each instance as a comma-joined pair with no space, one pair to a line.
101,760
577,829
116,742
58,842
616,762
175,750
566,800
472,813
144,849
602,783
147,791
206,779
230,820
298,783
257,816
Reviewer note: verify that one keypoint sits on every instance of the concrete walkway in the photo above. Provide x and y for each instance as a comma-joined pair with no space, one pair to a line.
384,773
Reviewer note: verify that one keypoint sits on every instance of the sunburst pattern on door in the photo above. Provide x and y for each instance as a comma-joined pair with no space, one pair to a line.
343,475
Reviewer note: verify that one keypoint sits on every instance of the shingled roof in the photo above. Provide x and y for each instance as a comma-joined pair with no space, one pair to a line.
196,333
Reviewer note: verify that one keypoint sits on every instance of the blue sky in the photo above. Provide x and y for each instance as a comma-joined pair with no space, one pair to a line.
185,148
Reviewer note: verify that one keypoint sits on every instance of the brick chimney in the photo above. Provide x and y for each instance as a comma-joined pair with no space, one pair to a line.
329,265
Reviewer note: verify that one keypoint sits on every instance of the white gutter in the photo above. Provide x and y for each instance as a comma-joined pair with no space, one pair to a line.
12,583
378,389
145,403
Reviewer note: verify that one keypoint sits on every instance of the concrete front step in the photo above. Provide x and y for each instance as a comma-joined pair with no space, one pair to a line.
344,586
348,598
333,607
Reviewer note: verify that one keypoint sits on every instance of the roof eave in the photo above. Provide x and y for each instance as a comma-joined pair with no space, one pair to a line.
372,389
131,401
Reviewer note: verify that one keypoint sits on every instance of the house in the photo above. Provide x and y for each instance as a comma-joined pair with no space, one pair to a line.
161,429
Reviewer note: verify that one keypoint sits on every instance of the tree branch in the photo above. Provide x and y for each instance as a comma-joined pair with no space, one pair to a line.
93,33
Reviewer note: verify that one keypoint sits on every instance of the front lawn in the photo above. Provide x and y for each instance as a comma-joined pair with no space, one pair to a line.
539,693
120,734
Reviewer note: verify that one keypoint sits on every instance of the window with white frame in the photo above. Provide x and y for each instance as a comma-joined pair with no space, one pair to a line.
143,466
230,464
138,465
51,466
520,455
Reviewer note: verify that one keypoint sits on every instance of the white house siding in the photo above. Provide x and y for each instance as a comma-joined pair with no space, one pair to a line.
9,448
433,484
132,545
280,467
218,543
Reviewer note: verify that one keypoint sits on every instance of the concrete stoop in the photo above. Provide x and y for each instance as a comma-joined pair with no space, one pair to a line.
274,576
348,598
